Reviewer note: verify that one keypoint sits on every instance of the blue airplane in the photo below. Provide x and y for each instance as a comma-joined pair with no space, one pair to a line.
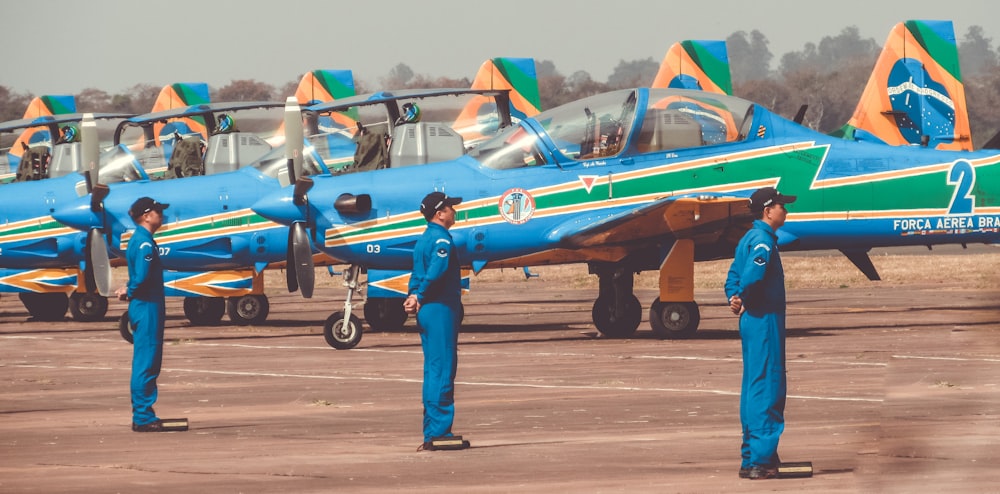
225,175
219,249
41,260
646,179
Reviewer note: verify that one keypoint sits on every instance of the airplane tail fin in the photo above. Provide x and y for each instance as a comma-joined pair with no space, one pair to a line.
516,74
321,86
179,95
41,106
915,95
690,64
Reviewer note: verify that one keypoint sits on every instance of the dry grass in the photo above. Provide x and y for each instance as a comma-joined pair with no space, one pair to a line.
973,271
976,271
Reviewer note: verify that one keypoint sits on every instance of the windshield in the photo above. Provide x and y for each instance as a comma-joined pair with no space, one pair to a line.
276,161
514,147
118,164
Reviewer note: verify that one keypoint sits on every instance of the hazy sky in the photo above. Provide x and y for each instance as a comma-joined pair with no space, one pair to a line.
63,46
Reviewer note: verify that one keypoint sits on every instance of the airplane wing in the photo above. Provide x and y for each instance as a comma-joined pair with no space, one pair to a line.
704,219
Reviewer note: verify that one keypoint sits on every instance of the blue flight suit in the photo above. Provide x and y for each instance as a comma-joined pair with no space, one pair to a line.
757,278
147,312
437,283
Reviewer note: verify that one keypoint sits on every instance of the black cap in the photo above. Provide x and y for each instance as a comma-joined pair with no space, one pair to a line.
434,201
144,205
767,196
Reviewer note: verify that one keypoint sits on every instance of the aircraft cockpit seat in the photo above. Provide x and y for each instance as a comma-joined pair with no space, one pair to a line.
232,151
424,142
668,129
372,152
185,159
34,164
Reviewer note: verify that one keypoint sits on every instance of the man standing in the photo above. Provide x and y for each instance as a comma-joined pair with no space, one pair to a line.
756,290
146,312
435,296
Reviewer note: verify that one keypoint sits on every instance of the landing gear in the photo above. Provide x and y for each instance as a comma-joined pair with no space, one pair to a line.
383,314
248,309
204,311
87,307
674,320
617,322
45,306
342,329
342,333
617,312
125,327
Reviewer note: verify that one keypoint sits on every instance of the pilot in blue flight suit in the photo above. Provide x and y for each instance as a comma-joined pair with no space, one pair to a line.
435,296
146,311
756,290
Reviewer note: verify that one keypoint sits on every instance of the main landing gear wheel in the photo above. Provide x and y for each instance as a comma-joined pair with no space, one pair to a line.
204,311
383,314
45,306
126,328
87,307
341,334
248,309
621,325
674,320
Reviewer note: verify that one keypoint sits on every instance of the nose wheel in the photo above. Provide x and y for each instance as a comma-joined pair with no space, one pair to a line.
342,333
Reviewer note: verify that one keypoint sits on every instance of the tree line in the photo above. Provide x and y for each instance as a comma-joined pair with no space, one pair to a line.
828,76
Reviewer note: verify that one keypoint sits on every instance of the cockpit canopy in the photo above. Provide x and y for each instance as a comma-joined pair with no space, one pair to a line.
604,126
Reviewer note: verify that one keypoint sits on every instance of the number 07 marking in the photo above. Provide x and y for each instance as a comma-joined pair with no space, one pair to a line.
964,175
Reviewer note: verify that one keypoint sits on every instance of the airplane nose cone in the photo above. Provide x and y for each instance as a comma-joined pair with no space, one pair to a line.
77,215
279,208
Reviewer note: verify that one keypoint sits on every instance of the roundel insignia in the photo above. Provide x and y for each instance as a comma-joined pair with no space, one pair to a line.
516,206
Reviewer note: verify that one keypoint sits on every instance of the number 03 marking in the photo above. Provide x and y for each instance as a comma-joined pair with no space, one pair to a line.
964,175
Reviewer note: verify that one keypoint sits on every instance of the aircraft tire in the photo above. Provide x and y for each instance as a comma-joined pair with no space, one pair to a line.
88,307
45,306
674,320
248,309
385,314
340,335
204,311
125,328
621,327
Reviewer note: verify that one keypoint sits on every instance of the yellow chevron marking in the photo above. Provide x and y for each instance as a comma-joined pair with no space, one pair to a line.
209,283
41,280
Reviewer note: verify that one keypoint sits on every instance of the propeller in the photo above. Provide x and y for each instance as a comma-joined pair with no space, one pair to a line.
299,271
97,268
293,139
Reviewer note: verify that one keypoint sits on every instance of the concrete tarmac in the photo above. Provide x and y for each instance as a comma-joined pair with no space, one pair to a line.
891,389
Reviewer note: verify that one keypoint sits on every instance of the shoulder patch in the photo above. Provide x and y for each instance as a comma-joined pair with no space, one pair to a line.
442,252
762,246
759,261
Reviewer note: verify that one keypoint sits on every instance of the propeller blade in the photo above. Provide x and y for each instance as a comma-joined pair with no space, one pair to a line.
290,278
300,194
293,138
98,268
90,149
301,260
97,195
